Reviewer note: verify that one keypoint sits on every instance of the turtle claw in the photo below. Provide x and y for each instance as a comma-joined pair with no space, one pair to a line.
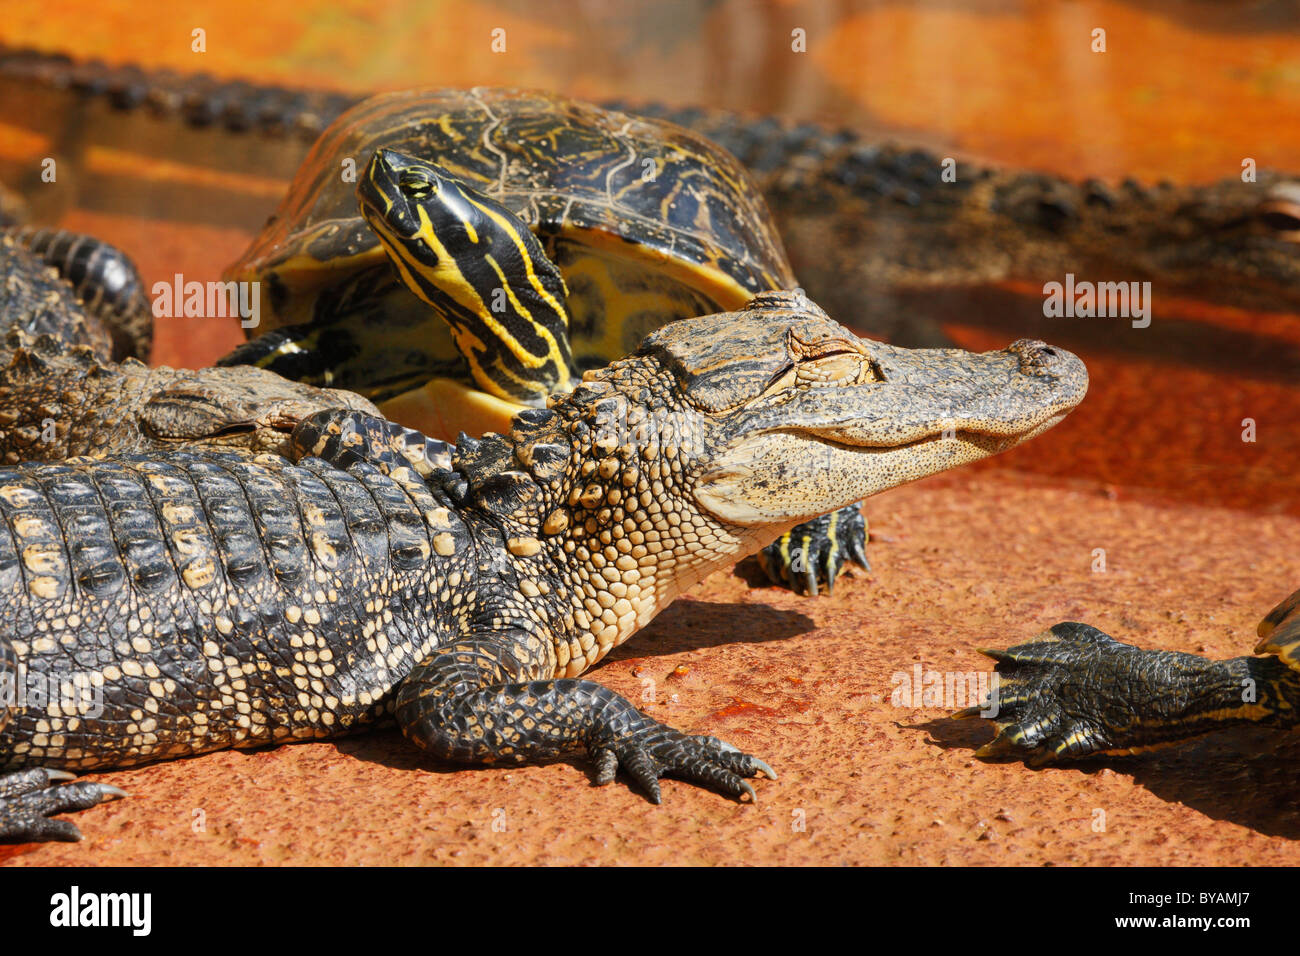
858,548
653,750
817,551
1044,704
28,801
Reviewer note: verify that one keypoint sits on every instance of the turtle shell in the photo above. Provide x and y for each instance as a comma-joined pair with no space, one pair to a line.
1279,632
648,223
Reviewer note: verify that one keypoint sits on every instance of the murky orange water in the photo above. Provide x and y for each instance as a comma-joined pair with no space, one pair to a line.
1183,92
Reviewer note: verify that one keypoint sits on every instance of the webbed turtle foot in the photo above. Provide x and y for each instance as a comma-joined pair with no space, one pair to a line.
29,798
816,551
290,351
1059,696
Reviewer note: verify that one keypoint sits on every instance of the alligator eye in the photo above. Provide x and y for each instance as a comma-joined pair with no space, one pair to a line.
840,368
1280,210
1281,220
416,184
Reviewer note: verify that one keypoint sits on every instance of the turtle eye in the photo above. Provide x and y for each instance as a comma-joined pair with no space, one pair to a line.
416,184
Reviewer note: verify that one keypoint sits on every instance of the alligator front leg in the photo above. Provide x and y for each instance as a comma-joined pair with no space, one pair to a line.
471,701
344,436
29,798
817,551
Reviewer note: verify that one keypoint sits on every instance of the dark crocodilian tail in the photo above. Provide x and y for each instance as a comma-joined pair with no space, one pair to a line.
480,267
104,279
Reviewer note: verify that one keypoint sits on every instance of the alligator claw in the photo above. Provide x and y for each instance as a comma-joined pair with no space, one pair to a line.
817,551
655,750
27,801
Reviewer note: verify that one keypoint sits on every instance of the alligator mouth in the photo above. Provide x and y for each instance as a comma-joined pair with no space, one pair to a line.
788,474
994,442
234,431
181,438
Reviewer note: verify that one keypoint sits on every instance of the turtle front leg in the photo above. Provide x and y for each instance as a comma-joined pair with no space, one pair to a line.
29,798
817,551
301,353
1075,691
473,701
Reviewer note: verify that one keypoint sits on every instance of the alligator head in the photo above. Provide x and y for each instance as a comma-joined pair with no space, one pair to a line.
240,407
1229,242
720,433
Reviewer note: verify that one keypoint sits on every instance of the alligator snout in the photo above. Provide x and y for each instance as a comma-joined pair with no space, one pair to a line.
1036,356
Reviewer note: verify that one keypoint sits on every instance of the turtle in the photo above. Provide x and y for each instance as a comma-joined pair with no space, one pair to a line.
1076,692
579,231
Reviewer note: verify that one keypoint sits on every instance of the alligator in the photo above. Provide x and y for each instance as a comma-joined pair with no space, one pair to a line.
35,301
104,280
113,316
62,395
59,401
866,223
203,600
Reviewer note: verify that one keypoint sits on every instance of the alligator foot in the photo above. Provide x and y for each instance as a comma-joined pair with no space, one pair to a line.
28,799
817,551
344,436
648,750
464,703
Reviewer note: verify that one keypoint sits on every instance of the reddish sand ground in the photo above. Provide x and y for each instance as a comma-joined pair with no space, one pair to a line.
1201,531
807,685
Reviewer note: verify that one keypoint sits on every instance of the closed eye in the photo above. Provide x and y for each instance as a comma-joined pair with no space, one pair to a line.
840,368
1280,220
833,370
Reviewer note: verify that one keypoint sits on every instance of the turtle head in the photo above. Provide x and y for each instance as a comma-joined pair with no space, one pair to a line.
417,206
480,267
